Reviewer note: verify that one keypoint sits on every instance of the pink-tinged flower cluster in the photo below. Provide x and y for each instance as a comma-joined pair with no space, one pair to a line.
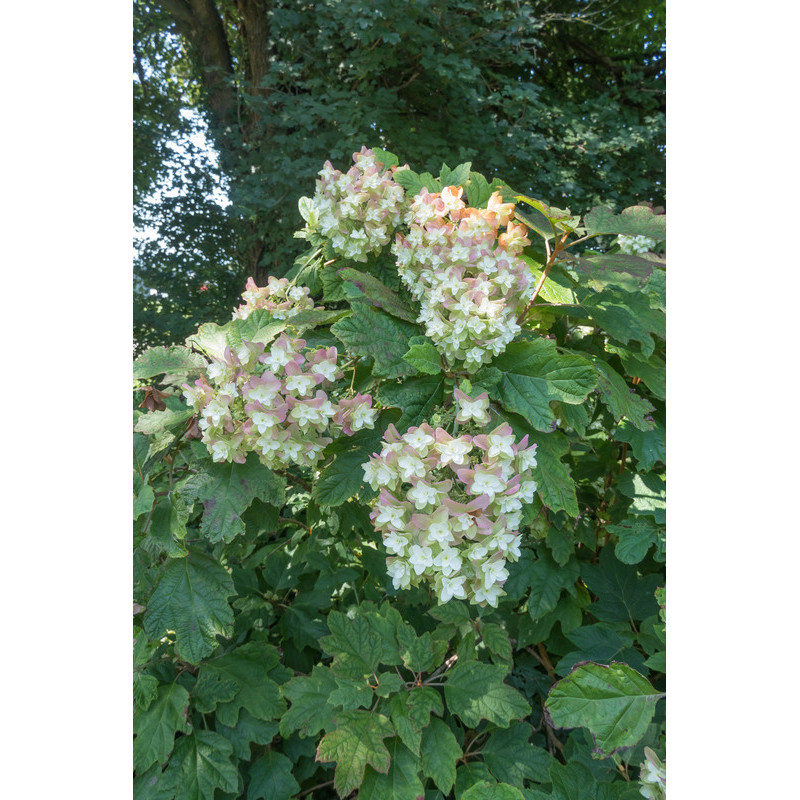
466,274
449,508
279,297
271,401
358,211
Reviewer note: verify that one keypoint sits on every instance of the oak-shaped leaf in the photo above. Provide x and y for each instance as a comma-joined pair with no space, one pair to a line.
369,332
378,294
155,727
623,594
191,600
423,355
356,742
476,691
402,779
621,399
534,374
626,317
440,752
227,489
356,648
172,360
247,669
310,710
201,764
614,702
271,778
512,758
415,397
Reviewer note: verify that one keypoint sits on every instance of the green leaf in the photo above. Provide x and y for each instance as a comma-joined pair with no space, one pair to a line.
453,612
492,791
212,339
173,360
440,751
548,579
369,332
634,539
557,287
271,778
534,373
154,729
652,371
340,480
423,356
422,702
154,784
415,397
633,221
455,177
201,765
620,399
402,780
623,595
409,733
649,447
378,294
248,730
648,492
158,421
599,270
310,712
386,158
143,499
227,489
247,667
513,759
602,643
478,191
626,317
416,651
191,599
615,703
332,284
352,643
496,640
554,484
145,689
388,683
470,774
475,691
351,693
357,741
410,181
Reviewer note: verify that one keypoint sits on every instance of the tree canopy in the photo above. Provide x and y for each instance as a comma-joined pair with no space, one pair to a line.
237,104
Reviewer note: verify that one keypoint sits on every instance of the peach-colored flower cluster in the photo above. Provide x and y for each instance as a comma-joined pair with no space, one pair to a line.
271,402
465,273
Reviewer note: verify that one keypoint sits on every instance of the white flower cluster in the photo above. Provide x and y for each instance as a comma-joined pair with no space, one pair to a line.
269,402
469,280
449,506
652,777
279,297
635,245
357,212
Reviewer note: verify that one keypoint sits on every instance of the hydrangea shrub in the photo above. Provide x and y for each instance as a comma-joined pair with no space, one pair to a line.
399,524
